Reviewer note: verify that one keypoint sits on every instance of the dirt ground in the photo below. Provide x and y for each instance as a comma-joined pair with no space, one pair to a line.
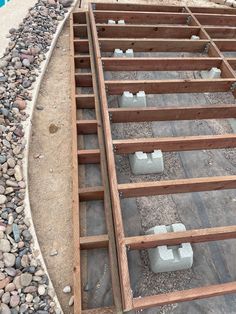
50,169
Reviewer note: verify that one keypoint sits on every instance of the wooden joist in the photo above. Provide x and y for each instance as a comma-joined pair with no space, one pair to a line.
87,126
94,242
85,101
83,79
176,186
88,156
124,115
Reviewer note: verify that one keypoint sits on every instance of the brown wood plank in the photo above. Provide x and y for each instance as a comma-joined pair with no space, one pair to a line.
216,19
176,238
75,186
218,10
85,101
81,45
226,45
185,295
160,64
172,144
146,31
80,31
79,17
169,86
87,126
138,17
83,80
91,193
102,310
232,62
153,45
94,242
82,61
124,115
89,156
221,32
177,186
137,7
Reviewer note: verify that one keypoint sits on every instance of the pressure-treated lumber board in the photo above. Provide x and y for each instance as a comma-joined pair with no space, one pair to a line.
103,310
89,156
216,19
75,186
83,79
176,238
82,61
94,242
80,30
160,64
177,186
153,45
87,126
91,193
226,45
117,215
169,86
172,144
85,101
81,45
185,295
138,17
221,32
146,31
137,7
124,115
207,10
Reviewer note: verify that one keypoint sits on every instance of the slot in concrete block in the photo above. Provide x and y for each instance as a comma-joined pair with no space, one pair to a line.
111,22
194,37
213,73
229,3
143,163
121,22
170,258
129,53
127,99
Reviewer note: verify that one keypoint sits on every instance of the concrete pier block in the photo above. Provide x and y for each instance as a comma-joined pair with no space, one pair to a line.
229,3
127,99
170,258
121,22
194,37
234,4
214,73
129,53
143,163
111,22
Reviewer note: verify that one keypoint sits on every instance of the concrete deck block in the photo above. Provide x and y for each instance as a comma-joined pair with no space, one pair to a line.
170,258
121,22
229,3
111,22
214,73
129,100
194,37
129,53
234,4
142,163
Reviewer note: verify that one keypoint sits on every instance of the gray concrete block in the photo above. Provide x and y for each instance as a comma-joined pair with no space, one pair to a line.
143,163
127,99
129,53
213,73
194,37
121,22
170,258
229,3
111,22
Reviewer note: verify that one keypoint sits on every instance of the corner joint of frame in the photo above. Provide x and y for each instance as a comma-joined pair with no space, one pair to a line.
188,20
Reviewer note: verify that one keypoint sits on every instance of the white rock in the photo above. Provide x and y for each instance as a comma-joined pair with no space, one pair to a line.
9,259
3,199
41,290
18,173
67,289
5,245
71,301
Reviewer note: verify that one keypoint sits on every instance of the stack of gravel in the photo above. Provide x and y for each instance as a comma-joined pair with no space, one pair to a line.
23,283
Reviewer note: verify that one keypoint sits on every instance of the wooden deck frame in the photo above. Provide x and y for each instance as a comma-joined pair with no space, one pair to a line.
136,14
82,58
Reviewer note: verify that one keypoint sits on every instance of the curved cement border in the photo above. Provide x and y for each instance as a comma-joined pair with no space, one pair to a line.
27,126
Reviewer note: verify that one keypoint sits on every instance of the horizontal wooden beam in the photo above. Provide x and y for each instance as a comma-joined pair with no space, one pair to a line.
101,310
138,7
207,10
176,238
89,156
216,19
81,45
172,144
226,45
177,186
79,17
160,64
138,17
221,32
82,61
232,62
83,79
124,115
153,45
94,242
87,126
116,87
91,193
80,31
85,101
146,31
184,295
